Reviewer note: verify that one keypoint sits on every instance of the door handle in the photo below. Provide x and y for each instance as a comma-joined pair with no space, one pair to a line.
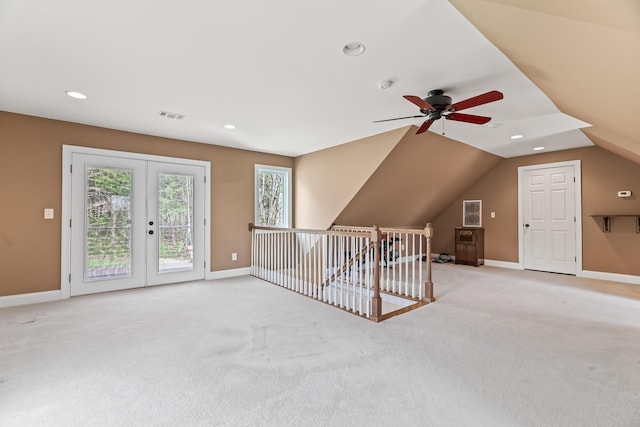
150,231
526,225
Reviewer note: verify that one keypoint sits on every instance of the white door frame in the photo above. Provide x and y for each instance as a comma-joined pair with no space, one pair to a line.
578,208
67,153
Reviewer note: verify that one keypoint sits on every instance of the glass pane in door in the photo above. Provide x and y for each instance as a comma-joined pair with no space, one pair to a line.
175,222
108,230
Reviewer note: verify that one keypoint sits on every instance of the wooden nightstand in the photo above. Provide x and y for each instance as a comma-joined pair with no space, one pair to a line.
470,246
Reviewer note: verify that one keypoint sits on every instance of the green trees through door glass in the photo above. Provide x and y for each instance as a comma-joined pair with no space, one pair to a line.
108,223
175,222
109,233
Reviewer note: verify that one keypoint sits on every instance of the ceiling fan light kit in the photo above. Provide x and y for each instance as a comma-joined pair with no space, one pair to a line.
437,105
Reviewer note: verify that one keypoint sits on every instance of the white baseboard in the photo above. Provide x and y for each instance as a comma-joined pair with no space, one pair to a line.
492,263
614,277
31,298
223,274
503,264
47,296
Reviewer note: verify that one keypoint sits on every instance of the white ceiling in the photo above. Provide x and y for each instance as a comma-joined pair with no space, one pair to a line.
274,69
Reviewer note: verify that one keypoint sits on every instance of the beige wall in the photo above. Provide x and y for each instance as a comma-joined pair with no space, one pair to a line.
326,180
566,48
30,180
420,178
603,175
395,178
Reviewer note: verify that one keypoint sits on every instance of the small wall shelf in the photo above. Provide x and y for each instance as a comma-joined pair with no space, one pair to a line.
606,220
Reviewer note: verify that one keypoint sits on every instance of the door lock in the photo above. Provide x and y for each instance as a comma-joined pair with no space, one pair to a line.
150,231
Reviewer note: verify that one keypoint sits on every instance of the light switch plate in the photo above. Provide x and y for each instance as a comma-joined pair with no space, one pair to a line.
48,213
493,214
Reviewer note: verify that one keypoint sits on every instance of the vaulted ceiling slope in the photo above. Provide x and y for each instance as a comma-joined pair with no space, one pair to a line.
584,55
277,69
418,180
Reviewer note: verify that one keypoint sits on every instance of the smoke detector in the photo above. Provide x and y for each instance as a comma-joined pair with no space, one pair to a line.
385,84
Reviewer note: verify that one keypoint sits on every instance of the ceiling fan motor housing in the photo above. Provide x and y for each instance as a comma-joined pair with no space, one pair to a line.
438,100
434,115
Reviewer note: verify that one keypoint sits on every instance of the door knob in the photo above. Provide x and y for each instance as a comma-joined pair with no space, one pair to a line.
526,225
150,231
150,222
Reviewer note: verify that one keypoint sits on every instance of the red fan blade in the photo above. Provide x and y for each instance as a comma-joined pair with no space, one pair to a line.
485,98
468,118
424,127
418,101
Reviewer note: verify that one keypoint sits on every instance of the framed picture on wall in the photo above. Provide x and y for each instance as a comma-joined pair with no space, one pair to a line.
472,213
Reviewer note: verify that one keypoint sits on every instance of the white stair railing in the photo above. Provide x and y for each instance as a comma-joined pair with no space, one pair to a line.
341,266
405,260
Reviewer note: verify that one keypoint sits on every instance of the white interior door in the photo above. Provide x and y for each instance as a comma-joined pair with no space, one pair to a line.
549,219
134,223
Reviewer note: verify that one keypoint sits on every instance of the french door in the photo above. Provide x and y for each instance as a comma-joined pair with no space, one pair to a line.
135,223
549,219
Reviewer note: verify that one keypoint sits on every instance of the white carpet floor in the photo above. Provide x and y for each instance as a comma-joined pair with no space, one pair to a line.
497,348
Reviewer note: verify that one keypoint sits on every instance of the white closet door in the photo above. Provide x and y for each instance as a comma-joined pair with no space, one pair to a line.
549,220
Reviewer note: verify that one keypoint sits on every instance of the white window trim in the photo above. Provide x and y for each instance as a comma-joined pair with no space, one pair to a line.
288,189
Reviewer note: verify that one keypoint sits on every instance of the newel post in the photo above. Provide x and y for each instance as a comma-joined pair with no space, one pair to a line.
428,285
376,301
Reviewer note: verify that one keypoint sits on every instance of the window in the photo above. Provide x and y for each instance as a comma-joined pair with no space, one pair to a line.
273,196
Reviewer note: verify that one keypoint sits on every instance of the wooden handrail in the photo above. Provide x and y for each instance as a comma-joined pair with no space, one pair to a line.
428,284
348,264
376,300
411,229
306,230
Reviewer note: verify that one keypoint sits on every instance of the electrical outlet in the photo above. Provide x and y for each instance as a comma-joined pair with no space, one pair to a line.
493,214
234,256
48,213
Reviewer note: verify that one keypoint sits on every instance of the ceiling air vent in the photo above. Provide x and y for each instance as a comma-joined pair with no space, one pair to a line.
169,115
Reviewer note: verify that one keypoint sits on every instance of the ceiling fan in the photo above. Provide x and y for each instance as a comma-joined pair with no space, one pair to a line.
437,105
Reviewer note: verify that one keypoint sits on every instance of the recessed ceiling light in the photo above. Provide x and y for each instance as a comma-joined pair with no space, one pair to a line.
76,95
229,126
353,49
516,136
538,148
